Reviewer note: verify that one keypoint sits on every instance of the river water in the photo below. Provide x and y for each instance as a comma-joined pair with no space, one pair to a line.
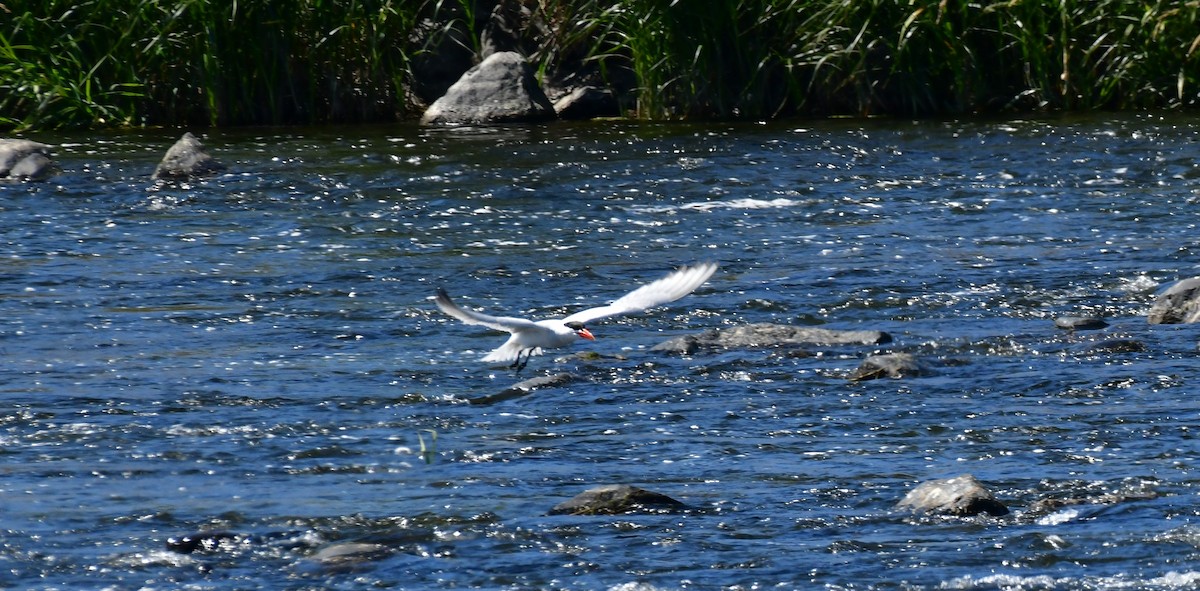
257,353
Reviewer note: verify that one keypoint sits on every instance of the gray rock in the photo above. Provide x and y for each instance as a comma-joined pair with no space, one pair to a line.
1050,504
525,387
961,495
1113,347
501,89
1080,323
769,335
587,102
1178,305
617,499
350,553
25,160
889,365
186,159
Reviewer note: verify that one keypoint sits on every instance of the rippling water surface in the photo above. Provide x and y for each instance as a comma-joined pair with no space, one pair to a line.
257,353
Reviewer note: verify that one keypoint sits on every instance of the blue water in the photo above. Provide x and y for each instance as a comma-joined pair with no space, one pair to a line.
257,353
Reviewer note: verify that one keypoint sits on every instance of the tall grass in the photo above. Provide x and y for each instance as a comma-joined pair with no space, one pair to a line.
229,62
764,58
215,62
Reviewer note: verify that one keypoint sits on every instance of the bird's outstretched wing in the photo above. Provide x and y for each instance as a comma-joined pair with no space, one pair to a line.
668,289
505,323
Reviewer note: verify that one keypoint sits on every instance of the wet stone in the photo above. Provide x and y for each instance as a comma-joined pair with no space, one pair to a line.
769,335
1180,304
501,89
528,386
186,159
350,553
961,495
889,365
1114,347
1080,323
204,542
616,499
25,160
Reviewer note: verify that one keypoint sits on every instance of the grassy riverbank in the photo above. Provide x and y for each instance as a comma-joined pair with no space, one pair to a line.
221,62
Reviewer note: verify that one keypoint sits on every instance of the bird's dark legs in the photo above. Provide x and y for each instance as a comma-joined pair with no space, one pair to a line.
518,364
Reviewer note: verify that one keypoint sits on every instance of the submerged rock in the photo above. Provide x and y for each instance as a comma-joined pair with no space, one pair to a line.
1080,323
961,495
890,365
770,335
524,387
186,159
501,89
1114,347
210,541
616,499
350,553
25,160
1048,505
1180,304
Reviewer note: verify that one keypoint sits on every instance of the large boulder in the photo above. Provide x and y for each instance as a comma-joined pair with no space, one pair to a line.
186,159
501,89
961,496
24,160
617,499
769,335
1178,305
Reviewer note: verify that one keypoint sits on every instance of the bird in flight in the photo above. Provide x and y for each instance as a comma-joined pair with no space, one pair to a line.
530,337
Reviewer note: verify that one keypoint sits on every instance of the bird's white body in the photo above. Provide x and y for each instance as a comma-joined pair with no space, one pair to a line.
533,337
541,335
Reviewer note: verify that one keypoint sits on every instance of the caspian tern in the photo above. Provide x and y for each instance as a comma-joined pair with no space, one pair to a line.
530,337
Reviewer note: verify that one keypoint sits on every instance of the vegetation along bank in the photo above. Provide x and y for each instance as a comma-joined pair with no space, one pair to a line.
102,63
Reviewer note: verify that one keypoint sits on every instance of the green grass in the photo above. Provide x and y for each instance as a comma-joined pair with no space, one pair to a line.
226,62
221,62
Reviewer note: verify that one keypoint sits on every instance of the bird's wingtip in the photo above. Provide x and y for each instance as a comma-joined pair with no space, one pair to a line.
705,267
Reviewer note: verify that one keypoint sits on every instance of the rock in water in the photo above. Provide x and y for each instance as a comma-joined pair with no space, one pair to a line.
205,542
186,159
771,335
1178,305
1080,323
25,160
616,499
961,495
526,387
501,89
349,553
890,365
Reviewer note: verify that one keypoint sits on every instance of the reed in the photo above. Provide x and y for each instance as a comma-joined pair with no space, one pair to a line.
765,58
219,62
225,62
